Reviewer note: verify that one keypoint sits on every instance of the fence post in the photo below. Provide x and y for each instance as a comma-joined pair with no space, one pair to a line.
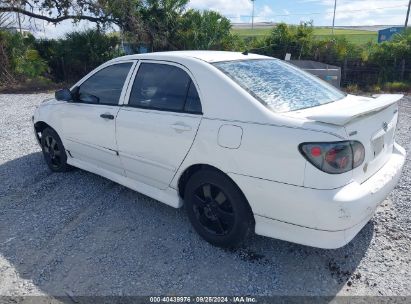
344,78
402,70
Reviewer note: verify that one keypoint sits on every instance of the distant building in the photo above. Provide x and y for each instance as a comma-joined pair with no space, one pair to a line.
388,33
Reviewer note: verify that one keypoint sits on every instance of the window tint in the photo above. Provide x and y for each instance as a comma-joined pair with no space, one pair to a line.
280,86
160,86
193,104
105,86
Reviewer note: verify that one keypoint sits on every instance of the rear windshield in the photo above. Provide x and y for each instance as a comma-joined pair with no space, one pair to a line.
279,85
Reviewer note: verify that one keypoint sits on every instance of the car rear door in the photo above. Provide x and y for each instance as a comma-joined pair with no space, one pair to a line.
157,126
88,123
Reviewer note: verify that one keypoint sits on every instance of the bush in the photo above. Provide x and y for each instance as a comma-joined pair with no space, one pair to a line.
78,53
376,88
352,89
334,50
30,64
397,86
284,38
23,59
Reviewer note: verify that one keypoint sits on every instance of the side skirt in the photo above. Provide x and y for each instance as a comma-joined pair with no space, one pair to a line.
168,196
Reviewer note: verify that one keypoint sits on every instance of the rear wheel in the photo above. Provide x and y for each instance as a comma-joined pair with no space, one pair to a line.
217,209
53,151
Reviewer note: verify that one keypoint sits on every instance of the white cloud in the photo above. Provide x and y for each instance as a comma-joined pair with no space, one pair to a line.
265,14
370,12
237,10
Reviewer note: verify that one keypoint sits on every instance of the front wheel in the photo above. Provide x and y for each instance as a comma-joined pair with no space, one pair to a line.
53,151
217,209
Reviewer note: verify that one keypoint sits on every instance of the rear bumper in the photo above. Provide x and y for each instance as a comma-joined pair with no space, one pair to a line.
307,236
319,218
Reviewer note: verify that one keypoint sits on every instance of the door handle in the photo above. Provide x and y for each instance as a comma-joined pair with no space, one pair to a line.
107,116
181,127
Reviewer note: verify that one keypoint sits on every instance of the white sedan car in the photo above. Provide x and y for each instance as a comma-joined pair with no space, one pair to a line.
247,143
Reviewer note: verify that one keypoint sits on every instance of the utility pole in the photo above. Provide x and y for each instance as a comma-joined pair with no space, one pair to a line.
335,8
19,21
408,15
252,16
18,16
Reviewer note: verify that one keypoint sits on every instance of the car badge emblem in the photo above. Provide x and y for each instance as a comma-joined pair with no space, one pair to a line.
385,126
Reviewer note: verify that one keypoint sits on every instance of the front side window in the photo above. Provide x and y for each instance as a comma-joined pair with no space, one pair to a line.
163,87
105,86
278,85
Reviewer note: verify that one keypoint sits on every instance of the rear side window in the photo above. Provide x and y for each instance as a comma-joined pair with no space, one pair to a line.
105,86
193,104
280,86
162,87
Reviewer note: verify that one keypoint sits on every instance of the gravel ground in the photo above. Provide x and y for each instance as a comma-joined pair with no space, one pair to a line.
79,234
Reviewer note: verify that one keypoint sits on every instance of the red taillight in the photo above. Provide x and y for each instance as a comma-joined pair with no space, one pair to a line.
334,157
316,151
331,155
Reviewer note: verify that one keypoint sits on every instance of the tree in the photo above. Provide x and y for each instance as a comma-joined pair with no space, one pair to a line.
207,30
6,20
6,76
55,11
160,19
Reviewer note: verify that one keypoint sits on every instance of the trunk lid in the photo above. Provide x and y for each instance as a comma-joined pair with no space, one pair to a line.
371,121
350,108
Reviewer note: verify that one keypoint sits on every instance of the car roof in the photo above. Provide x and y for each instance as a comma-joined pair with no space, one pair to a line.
207,56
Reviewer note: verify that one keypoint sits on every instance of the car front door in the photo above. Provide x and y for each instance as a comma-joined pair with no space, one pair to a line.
89,120
157,126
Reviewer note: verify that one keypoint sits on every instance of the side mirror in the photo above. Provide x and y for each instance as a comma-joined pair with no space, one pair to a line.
63,94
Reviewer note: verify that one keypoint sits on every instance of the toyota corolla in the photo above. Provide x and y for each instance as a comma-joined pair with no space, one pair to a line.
246,143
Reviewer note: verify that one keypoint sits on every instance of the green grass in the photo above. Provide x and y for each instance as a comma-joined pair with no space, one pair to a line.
247,32
354,36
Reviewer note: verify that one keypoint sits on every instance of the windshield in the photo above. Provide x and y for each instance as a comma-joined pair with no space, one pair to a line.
278,85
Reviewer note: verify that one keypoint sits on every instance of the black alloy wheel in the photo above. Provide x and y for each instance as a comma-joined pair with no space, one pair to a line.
217,208
53,151
213,209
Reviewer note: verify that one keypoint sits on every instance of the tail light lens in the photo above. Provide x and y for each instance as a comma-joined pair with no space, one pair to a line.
334,157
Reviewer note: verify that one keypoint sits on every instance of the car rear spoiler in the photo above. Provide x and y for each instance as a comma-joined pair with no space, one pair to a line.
344,111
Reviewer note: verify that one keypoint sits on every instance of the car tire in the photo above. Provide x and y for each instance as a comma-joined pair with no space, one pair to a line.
53,151
217,209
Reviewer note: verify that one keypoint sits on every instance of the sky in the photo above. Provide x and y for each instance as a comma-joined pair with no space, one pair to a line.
348,13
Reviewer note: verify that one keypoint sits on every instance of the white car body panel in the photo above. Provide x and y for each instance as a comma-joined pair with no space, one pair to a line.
89,138
149,150
277,159
152,144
